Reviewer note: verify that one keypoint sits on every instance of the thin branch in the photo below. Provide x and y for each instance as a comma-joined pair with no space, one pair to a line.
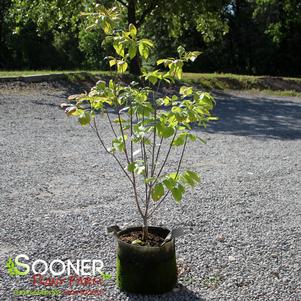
154,163
166,158
123,138
105,148
131,132
158,151
145,160
136,196
128,160
182,155
178,169
133,182
109,118
158,204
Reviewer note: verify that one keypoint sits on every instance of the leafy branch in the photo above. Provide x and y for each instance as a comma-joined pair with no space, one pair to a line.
143,119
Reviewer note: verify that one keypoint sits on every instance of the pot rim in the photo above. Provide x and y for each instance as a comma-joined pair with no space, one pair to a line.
170,242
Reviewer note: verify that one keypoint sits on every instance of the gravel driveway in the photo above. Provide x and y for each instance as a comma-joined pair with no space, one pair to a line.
58,192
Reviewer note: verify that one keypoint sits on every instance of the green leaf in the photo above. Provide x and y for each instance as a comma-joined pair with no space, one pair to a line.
139,170
186,91
167,101
148,43
173,175
149,180
112,62
106,26
161,61
118,143
179,73
157,192
191,137
180,140
84,118
111,150
144,52
192,56
194,175
132,50
181,51
131,167
119,48
133,30
153,76
144,47
165,131
169,183
153,79
177,192
191,178
100,85
122,66
111,84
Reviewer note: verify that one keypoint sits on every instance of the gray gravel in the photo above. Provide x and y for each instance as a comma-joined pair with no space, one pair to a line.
58,191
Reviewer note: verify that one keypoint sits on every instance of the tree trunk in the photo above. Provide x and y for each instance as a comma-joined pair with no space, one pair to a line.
145,228
134,65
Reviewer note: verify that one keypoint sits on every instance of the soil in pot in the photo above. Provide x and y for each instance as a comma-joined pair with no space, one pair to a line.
136,237
149,268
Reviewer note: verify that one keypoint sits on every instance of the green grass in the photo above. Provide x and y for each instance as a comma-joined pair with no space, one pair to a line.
283,93
197,76
283,86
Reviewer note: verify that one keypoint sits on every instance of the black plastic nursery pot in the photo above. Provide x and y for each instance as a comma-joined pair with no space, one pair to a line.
144,269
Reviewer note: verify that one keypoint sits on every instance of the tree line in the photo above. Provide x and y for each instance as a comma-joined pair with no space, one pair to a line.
238,36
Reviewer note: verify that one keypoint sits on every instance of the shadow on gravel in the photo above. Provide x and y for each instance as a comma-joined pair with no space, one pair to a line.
41,103
257,117
183,294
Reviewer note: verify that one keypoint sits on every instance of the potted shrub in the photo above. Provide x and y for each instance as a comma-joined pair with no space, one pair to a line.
146,127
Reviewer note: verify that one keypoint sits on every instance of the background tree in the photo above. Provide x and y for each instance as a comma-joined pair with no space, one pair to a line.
239,36
281,24
4,7
161,19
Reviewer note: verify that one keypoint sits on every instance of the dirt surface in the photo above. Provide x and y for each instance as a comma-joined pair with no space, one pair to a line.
153,240
59,191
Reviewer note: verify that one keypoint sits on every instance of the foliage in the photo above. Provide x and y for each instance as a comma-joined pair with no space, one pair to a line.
238,36
147,128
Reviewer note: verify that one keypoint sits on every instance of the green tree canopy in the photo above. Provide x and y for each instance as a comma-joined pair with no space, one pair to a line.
241,36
